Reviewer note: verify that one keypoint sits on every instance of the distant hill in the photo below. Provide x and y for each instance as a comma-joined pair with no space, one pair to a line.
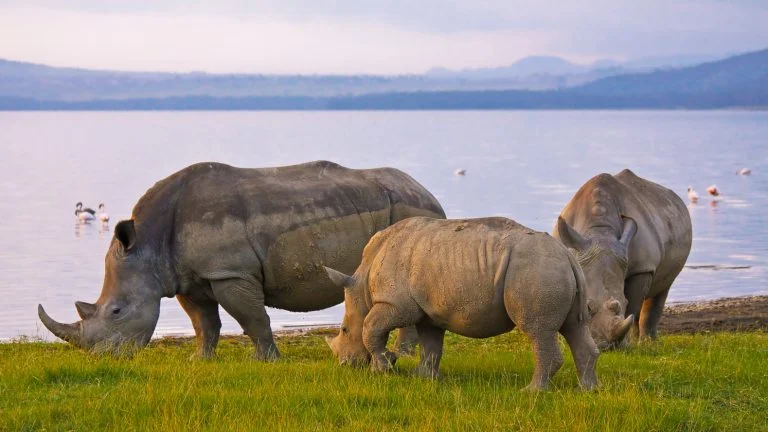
534,65
34,81
737,81
733,74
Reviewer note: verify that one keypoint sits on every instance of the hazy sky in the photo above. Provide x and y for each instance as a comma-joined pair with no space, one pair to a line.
367,36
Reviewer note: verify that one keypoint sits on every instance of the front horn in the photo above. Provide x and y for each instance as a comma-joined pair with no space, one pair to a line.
622,328
67,332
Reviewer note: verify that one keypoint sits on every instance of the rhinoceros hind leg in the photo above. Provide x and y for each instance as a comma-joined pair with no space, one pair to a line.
584,352
380,321
244,300
407,339
206,322
650,316
636,290
547,358
431,340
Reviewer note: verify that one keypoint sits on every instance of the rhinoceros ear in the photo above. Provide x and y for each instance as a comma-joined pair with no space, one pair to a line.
592,307
125,232
630,228
569,236
338,278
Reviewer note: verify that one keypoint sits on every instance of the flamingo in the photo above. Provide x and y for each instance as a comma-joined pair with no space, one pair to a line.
460,172
713,191
103,215
692,195
84,214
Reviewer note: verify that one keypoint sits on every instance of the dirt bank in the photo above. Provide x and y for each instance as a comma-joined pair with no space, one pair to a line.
725,314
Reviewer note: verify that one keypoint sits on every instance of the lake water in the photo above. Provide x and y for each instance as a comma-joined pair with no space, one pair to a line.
522,165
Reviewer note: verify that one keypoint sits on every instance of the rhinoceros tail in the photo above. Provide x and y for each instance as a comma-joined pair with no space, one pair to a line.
581,285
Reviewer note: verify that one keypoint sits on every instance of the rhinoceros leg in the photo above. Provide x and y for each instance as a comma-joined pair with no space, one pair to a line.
547,358
584,352
653,308
636,289
431,341
244,300
206,322
380,321
406,341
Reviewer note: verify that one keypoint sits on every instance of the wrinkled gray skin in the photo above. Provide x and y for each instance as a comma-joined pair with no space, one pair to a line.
474,277
212,234
632,238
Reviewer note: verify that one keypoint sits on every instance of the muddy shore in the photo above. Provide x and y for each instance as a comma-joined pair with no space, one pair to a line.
725,314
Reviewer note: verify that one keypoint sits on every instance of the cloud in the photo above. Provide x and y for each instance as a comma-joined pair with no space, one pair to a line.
366,36
219,43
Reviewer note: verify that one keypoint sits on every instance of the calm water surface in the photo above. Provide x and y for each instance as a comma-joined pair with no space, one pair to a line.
522,165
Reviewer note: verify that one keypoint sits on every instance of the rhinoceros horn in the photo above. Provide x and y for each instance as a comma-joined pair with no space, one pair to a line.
621,329
85,310
68,332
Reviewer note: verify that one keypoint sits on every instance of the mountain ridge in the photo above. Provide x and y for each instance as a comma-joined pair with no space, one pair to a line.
737,81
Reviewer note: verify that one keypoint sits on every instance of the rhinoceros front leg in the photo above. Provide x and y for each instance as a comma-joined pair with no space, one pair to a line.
204,315
636,289
380,321
431,340
244,300
406,341
650,316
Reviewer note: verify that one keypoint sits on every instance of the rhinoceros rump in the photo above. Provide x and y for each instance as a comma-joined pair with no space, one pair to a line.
212,234
632,238
474,277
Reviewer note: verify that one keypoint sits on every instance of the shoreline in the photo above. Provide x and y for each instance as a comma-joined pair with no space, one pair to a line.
725,314
730,314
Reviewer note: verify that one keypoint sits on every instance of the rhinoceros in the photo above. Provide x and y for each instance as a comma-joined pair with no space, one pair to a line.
632,238
212,234
474,277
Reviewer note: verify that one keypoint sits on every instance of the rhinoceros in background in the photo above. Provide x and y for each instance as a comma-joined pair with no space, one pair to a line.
212,234
474,277
632,238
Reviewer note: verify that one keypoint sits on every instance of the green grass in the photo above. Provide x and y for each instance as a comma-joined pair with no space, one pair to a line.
702,382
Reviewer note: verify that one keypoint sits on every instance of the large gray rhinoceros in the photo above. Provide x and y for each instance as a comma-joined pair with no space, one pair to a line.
474,277
632,238
212,234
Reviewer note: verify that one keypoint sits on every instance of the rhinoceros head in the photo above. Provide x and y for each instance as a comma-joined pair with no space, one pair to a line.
348,344
604,262
124,317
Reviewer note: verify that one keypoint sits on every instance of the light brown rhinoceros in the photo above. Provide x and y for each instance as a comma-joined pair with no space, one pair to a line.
212,234
474,277
632,238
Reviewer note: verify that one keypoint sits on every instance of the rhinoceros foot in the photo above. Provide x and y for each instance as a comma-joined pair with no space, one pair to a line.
384,362
269,354
427,372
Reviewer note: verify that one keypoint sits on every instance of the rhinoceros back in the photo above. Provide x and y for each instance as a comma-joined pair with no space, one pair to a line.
282,225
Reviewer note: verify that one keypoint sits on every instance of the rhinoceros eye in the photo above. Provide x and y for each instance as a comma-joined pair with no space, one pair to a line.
115,311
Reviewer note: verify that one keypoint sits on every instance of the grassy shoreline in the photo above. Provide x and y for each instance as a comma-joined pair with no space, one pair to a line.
714,381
